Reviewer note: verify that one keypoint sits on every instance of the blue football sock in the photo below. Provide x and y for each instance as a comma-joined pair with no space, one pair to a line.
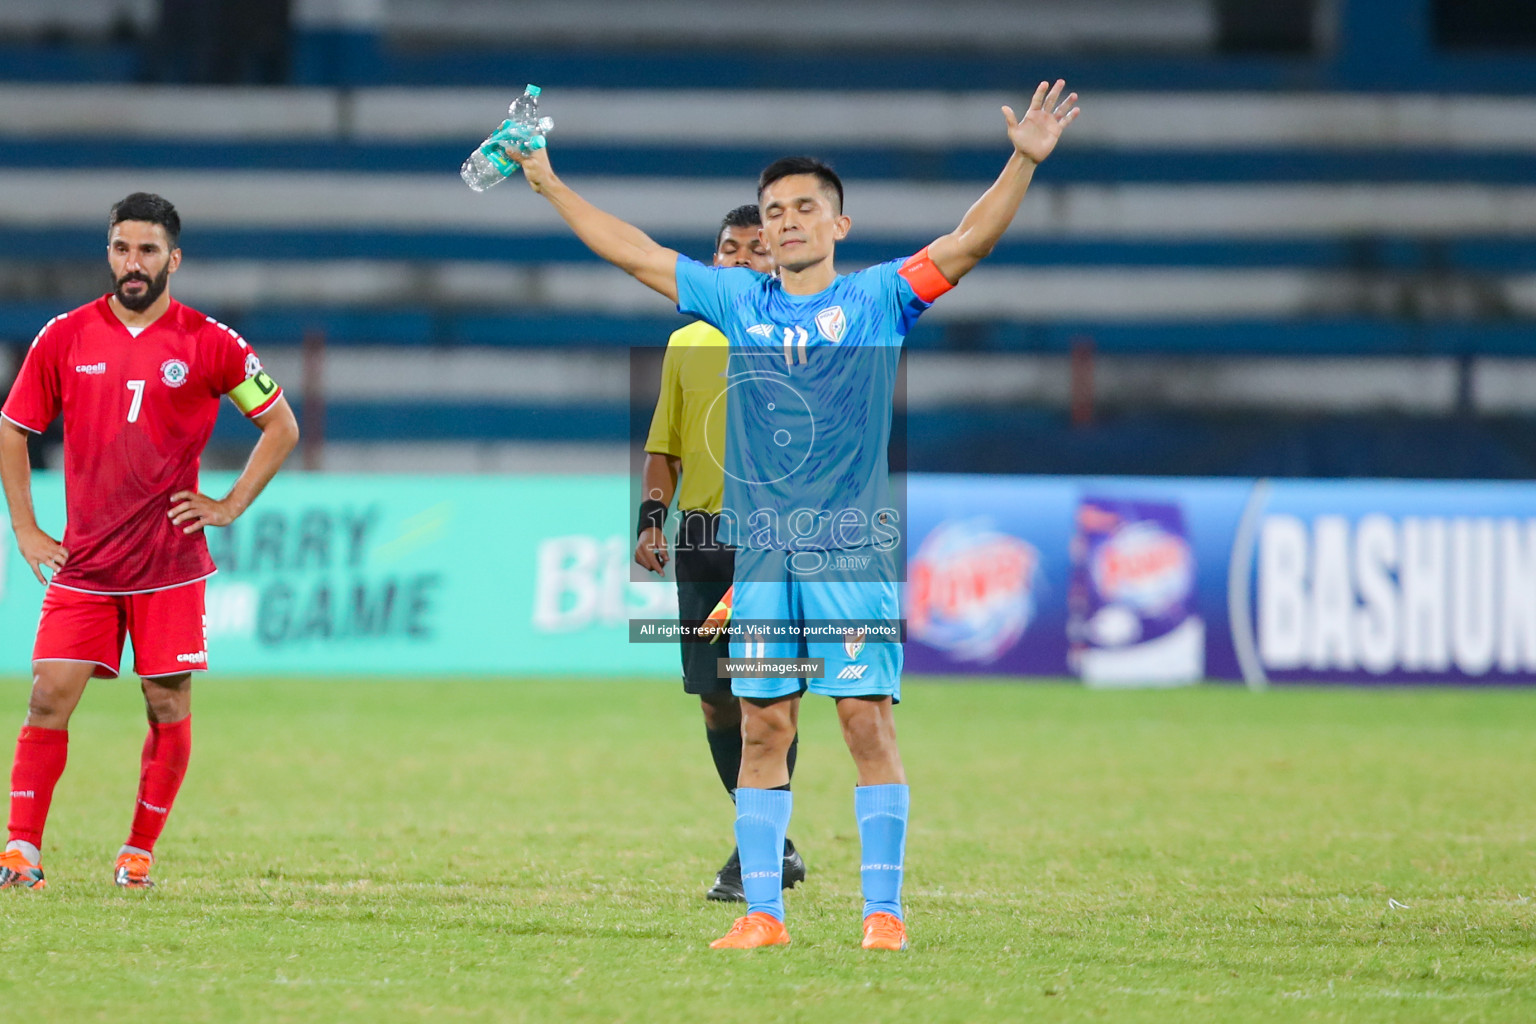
762,818
882,814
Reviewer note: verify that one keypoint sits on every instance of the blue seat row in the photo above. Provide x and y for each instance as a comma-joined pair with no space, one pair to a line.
1436,254
517,329
316,60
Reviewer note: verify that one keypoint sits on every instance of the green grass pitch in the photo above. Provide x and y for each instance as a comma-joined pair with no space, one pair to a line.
349,850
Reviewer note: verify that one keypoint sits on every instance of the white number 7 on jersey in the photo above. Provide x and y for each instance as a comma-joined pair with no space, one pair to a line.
137,387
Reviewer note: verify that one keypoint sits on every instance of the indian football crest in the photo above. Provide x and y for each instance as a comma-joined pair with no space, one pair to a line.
252,365
854,644
831,323
173,372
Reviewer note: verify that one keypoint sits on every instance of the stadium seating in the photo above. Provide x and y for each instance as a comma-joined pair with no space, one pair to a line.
1209,206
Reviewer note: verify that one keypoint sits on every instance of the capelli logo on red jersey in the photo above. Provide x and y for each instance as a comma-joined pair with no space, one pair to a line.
92,368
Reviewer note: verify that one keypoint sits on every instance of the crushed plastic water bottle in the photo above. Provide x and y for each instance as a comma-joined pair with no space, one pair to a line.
523,128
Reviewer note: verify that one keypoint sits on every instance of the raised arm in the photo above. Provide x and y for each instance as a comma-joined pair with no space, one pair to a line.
618,242
1033,137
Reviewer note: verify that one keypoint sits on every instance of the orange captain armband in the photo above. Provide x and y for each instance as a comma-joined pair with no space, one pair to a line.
924,277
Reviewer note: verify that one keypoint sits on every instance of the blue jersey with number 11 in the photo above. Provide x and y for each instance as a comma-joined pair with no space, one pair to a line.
811,381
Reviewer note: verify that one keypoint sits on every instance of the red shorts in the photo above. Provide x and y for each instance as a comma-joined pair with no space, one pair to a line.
168,627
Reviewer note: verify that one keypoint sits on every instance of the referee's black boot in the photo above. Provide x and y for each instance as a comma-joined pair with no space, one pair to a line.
794,865
727,887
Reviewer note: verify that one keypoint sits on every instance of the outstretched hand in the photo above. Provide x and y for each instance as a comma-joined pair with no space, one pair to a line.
1034,136
535,163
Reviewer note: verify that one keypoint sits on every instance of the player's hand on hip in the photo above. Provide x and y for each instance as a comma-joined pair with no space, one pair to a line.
651,550
1036,133
193,511
40,550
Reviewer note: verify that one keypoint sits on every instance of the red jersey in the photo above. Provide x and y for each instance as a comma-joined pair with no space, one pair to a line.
138,412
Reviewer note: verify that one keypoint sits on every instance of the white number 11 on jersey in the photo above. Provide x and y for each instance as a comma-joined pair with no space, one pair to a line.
137,387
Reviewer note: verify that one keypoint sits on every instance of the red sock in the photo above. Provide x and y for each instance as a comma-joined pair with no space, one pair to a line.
167,749
40,757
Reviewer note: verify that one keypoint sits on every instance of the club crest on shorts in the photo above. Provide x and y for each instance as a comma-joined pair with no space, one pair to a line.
854,644
831,322
173,372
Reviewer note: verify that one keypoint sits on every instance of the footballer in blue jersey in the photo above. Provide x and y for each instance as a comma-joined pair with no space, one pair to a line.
811,382
813,368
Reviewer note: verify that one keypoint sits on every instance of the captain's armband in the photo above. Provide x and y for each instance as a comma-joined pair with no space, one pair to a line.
927,281
257,394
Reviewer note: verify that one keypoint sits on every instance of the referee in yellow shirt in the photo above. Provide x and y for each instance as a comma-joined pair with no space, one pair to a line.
688,425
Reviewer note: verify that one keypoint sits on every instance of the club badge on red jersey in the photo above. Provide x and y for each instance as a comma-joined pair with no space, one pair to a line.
174,372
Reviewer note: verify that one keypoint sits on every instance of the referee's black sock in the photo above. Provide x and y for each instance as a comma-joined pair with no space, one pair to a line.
789,758
725,748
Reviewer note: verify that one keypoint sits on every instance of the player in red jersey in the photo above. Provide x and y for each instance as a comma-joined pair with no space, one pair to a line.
138,377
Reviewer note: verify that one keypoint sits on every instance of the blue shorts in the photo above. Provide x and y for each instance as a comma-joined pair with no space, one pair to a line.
768,589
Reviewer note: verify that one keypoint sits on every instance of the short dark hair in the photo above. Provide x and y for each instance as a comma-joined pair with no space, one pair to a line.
747,216
147,206
802,165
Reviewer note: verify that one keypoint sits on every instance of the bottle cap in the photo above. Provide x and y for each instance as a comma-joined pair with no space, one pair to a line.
533,90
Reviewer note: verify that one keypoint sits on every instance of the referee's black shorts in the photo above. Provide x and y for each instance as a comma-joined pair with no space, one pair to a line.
703,567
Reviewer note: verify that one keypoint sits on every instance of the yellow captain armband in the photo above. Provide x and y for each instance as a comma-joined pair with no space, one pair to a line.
257,394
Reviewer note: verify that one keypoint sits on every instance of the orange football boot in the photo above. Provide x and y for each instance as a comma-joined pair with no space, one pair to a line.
132,871
16,870
885,931
752,931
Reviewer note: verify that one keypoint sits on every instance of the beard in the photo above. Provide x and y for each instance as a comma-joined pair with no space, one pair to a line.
153,289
